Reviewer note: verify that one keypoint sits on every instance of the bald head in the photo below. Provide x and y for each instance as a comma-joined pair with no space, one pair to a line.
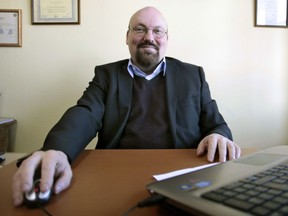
148,13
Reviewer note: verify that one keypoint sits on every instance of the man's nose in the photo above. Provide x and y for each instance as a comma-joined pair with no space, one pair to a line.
149,35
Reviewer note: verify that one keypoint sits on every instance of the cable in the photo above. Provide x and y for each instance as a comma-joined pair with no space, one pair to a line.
130,210
44,210
150,201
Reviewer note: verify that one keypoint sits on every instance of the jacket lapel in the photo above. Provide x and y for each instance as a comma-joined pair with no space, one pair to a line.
125,85
171,91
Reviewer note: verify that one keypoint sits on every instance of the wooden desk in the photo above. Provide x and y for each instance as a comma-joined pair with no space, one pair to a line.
106,182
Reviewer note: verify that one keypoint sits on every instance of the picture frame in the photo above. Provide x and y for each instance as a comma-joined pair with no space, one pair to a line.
10,28
55,12
271,13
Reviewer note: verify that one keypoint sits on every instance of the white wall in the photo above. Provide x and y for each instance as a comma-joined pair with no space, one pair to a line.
246,66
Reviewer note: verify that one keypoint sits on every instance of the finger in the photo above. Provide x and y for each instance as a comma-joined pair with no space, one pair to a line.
212,146
23,178
48,170
64,174
232,150
222,149
238,151
63,181
56,167
201,148
27,170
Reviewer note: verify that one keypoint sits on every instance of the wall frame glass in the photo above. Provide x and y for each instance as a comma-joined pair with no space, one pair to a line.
271,13
10,28
55,11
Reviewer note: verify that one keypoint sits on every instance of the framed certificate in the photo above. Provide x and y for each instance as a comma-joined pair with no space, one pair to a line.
10,28
55,11
271,13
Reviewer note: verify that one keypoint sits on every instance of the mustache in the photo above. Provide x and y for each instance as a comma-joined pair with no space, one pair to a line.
147,44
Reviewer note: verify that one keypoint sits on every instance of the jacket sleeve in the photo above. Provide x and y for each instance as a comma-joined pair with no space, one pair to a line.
80,123
211,120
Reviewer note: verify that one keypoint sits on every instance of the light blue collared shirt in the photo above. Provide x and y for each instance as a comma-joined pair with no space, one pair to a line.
134,70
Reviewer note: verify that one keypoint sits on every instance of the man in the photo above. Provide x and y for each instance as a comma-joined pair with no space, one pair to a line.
148,101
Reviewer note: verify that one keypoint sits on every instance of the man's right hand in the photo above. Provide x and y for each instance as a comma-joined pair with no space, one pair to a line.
54,165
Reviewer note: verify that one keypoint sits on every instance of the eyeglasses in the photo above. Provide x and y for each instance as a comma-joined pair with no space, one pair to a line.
158,32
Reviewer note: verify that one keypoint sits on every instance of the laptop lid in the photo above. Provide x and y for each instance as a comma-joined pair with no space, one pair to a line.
185,191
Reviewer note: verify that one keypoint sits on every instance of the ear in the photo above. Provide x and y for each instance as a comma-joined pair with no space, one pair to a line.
127,37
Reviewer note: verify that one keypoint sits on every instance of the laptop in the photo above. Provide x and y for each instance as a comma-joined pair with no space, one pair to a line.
256,184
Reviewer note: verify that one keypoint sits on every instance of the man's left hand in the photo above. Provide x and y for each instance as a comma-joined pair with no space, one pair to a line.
213,142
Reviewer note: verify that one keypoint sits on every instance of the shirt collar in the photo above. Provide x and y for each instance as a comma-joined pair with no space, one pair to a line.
134,70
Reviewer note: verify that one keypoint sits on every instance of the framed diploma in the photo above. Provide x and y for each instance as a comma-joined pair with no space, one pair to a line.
10,28
271,13
55,11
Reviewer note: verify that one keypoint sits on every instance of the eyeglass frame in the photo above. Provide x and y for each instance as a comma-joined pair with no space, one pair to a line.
146,31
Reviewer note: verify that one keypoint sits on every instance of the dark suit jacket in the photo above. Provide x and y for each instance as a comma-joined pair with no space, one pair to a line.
105,105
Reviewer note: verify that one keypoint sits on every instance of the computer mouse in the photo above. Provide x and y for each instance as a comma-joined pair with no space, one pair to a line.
35,198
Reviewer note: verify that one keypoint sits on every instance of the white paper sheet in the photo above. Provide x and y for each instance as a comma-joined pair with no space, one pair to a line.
160,177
